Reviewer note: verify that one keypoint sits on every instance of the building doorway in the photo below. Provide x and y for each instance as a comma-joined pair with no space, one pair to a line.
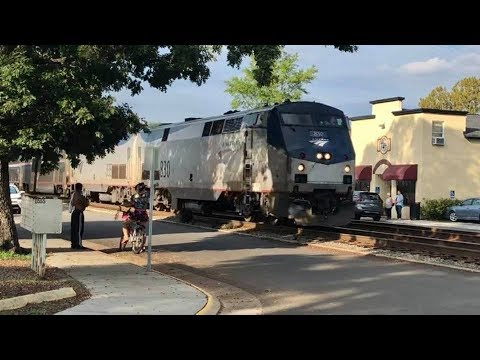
407,187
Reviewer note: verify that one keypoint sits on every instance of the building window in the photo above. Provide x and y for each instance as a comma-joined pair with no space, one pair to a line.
437,129
438,136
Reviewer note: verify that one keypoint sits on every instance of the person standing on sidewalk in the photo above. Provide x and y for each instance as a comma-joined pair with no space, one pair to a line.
78,203
388,206
399,204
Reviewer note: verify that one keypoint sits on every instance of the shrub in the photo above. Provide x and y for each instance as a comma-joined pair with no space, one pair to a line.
435,209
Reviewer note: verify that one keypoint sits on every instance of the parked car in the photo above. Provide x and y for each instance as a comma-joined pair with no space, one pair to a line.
467,210
16,198
367,204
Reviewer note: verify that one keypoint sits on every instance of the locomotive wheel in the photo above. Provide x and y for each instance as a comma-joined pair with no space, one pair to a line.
272,220
207,210
185,216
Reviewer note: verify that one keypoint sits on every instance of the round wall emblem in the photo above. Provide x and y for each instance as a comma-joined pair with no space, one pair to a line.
384,144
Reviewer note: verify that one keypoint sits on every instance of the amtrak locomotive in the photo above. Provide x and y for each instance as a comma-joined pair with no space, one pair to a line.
293,160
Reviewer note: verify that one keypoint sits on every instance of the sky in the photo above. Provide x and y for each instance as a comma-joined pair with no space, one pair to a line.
348,81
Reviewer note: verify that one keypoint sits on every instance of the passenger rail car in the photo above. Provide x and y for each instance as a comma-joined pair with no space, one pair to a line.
22,175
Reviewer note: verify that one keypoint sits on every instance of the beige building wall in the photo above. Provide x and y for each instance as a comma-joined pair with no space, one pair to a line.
455,166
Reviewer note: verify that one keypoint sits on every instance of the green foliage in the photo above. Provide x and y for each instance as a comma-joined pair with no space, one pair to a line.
438,98
10,255
51,102
435,209
54,99
288,82
464,96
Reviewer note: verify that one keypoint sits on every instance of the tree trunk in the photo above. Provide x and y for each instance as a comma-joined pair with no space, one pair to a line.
8,230
36,167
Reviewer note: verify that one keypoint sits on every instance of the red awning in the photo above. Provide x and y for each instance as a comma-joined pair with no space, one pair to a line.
363,172
400,172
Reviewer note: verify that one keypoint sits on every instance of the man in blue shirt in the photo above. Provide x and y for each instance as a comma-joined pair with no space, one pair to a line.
399,204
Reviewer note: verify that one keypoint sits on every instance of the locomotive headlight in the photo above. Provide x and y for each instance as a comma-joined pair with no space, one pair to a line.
328,156
301,167
347,168
319,156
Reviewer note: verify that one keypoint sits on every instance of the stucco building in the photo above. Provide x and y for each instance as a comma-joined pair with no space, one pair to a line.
425,153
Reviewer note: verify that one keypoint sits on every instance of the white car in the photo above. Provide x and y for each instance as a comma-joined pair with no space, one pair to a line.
16,197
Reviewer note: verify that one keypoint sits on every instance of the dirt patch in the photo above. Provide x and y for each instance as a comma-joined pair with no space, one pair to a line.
16,279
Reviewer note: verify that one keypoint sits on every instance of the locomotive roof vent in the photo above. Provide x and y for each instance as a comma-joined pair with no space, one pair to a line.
230,112
192,118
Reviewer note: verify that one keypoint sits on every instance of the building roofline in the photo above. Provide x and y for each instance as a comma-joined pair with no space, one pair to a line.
429,111
362,117
398,98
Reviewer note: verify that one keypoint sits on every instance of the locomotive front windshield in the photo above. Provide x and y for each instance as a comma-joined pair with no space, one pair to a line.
315,119
303,129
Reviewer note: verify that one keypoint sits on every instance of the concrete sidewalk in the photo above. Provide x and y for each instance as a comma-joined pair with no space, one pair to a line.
119,287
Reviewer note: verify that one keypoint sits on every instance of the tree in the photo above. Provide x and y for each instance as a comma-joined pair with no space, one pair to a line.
438,98
288,82
54,100
464,96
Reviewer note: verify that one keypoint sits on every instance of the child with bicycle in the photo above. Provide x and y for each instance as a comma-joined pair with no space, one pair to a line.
137,212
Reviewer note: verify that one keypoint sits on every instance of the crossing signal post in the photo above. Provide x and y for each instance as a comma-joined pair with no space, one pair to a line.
151,158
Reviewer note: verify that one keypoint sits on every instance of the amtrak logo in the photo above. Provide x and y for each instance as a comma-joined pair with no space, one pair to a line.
319,142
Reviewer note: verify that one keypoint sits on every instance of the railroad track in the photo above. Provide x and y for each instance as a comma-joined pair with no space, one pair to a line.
435,242
451,244
441,233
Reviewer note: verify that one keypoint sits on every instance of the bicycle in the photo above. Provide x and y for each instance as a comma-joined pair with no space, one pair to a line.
136,233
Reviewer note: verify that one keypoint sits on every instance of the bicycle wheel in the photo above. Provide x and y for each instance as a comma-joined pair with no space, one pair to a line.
137,241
